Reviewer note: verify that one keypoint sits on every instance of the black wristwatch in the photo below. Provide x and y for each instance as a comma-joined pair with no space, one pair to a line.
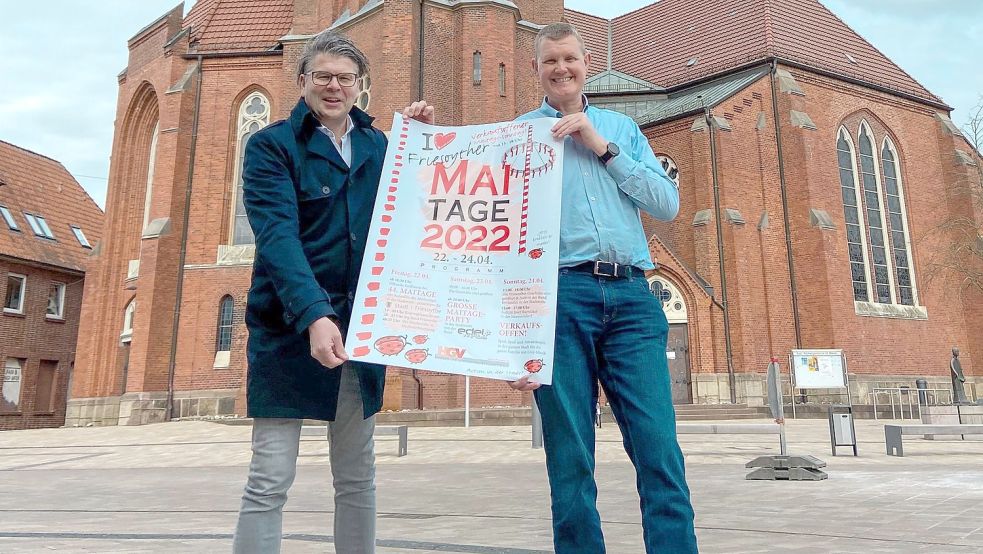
611,152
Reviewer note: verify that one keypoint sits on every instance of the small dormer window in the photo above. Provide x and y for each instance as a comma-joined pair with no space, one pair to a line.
44,227
8,218
39,225
34,224
81,236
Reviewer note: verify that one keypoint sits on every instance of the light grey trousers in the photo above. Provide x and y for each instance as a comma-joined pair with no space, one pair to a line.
274,465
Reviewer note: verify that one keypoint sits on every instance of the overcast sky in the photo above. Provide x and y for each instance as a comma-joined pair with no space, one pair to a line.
58,86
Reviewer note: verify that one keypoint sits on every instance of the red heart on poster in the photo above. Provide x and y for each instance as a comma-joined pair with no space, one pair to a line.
441,139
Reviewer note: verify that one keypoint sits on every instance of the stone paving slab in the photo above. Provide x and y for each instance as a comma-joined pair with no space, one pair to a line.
175,488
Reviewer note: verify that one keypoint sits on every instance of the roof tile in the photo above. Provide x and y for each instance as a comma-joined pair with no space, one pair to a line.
238,25
40,185
673,42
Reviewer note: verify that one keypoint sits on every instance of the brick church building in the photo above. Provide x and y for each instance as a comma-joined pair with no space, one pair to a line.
819,232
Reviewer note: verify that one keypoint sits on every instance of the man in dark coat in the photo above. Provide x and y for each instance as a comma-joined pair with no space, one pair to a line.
309,188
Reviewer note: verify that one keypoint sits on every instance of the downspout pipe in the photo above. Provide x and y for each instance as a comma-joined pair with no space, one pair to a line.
785,217
172,363
731,378
422,43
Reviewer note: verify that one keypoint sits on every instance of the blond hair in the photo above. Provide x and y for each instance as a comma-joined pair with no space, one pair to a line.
558,31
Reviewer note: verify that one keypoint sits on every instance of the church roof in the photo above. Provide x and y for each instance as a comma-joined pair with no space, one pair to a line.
692,99
674,42
37,185
238,25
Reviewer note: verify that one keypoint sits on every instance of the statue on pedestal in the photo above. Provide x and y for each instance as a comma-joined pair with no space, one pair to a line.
958,392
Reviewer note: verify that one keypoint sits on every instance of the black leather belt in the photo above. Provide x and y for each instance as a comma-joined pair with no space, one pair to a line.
611,270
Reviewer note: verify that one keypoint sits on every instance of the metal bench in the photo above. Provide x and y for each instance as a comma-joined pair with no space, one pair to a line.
735,429
893,433
400,431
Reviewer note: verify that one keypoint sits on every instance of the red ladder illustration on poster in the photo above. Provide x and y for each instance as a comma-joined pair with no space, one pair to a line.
459,273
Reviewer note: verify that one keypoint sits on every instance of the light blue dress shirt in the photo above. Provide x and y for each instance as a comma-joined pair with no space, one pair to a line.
599,218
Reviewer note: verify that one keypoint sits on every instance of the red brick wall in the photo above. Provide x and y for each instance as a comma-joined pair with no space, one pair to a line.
35,337
755,260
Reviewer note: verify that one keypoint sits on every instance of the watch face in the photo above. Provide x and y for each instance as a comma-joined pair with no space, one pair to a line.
613,149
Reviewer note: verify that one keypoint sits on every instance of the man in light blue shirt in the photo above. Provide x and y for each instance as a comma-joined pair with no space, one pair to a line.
609,326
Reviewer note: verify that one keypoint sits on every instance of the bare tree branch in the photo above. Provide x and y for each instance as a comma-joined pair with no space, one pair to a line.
956,257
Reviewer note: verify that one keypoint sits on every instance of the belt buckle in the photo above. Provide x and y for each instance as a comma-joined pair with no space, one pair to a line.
598,272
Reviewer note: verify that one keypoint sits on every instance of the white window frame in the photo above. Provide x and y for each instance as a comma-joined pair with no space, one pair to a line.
673,315
33,223
44,226
23,294
8,217
875,153
904,220
149,194
80,236
129,314
861,215
244,121
60,314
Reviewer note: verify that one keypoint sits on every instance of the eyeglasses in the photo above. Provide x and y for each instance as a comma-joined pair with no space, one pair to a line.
324,78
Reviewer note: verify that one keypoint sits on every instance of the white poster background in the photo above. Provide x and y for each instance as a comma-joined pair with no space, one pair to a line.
11,385
818,369
460,268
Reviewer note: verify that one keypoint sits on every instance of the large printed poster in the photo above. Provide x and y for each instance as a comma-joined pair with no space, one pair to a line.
460,268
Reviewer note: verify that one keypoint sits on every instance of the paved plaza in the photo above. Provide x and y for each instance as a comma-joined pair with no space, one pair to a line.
175,487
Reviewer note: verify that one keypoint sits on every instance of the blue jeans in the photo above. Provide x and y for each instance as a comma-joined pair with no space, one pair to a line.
614,331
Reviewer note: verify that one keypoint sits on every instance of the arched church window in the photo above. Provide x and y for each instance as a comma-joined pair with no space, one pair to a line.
223,335
672,300
897,225
670,168
857,246
364,97
881,263
152,159
876,219
254,114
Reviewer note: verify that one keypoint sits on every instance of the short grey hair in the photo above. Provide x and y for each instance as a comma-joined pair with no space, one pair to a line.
558,31
330,42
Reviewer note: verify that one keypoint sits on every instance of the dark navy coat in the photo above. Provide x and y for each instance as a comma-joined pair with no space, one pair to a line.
310,214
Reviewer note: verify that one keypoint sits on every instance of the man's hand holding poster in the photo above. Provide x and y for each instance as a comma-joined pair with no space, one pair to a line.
460,268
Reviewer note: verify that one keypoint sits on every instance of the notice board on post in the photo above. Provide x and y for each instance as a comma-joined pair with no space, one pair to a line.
818,369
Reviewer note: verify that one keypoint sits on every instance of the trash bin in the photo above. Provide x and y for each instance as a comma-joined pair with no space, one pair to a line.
922,386
841,428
